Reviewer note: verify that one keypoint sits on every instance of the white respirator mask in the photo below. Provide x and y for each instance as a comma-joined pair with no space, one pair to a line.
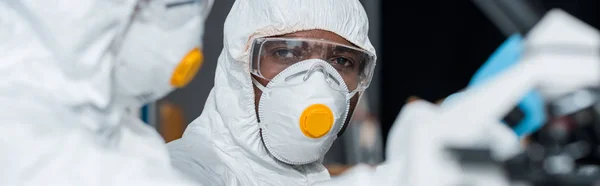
301,113
160,50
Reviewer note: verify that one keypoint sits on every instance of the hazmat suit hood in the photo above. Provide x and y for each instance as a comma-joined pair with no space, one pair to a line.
61,110
223,146
88,55
60,58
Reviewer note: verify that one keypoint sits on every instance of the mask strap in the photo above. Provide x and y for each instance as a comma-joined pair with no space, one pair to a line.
258,85
351,94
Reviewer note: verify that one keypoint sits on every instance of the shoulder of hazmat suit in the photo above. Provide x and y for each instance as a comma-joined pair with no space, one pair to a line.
223,146
63,110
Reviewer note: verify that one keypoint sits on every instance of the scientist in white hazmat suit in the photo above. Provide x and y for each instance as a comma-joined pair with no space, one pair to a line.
69,70
287,81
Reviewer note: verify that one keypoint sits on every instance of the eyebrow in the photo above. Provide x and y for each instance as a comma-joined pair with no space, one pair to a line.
345,49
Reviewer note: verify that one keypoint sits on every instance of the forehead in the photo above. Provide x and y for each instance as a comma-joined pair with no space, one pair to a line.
317,34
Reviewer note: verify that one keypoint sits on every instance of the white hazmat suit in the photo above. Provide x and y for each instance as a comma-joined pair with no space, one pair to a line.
69,69
223,146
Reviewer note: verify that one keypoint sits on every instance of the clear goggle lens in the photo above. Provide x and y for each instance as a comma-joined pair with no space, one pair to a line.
270,56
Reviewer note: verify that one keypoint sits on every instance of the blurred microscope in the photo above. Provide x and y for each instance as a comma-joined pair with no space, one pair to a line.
563,148
564,152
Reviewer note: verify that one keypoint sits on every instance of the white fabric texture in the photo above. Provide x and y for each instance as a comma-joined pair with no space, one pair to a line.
61,122
223,146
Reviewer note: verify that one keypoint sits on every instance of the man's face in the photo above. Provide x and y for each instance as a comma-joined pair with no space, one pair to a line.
308,34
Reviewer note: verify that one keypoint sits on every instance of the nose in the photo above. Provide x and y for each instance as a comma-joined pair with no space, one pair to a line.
317,67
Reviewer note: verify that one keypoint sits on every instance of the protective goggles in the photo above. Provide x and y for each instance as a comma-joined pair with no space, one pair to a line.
270,56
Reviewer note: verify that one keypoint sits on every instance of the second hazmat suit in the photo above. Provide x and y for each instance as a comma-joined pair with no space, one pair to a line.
227,145
69,71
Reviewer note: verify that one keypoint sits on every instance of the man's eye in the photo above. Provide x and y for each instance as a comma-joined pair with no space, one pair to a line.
342,61
284,53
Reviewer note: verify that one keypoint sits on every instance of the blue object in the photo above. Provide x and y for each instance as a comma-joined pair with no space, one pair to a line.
532,105
145,113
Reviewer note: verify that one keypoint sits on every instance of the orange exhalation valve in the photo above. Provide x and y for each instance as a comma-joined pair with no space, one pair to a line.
316,121
187,68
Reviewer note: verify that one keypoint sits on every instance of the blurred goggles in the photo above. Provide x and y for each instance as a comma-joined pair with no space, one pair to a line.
169,14
270,56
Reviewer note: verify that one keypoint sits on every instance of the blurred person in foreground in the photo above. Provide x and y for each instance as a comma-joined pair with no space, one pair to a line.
70,70
286,85
362,142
